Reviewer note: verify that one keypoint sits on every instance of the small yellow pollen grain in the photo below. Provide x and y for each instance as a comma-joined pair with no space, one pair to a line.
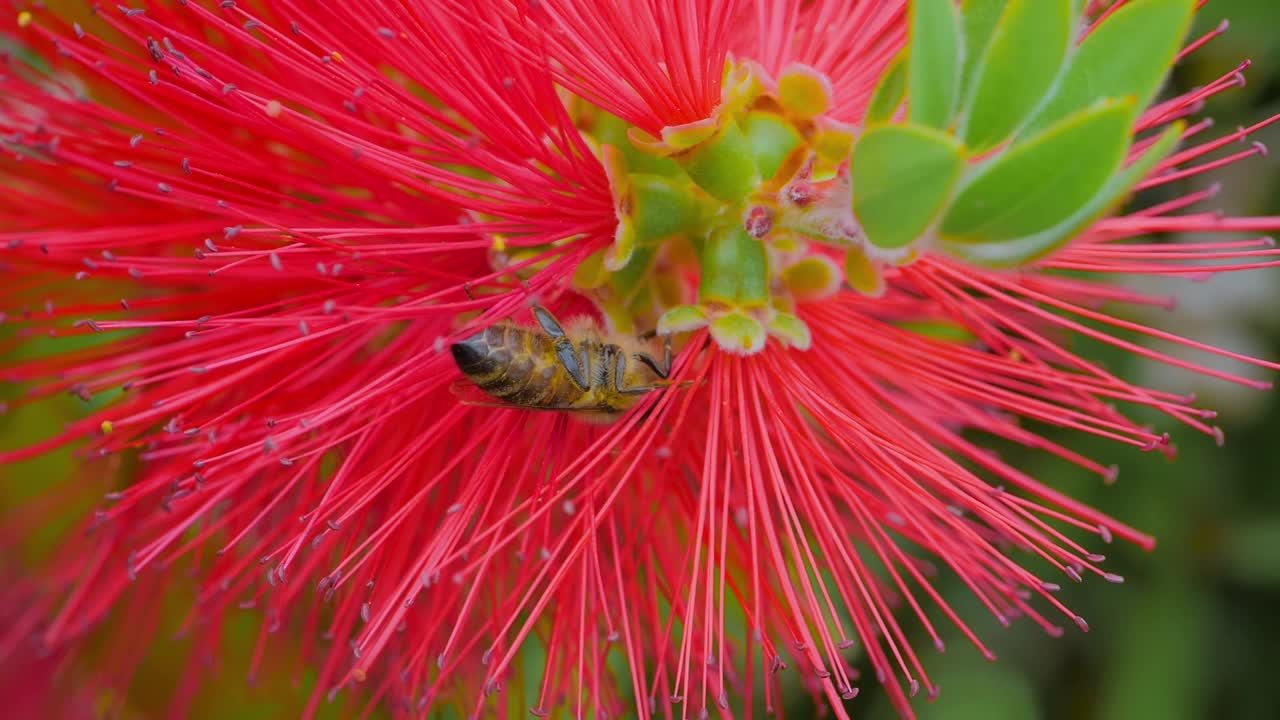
337,56
499,244
107,427
274,108
24,19
359,675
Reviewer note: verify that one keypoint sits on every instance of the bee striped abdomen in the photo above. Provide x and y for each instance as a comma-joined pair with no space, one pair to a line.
516,365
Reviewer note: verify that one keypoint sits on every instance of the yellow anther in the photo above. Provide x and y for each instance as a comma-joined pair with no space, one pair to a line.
24,19
804,92
107,427
863,274
812,278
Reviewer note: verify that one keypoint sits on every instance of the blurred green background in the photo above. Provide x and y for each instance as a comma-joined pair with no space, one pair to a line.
1192,631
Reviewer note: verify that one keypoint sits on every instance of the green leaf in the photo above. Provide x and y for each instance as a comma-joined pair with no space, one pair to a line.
1032,247
1043,181
1017,71
902,176
934,68
889,92
978,19
1128,55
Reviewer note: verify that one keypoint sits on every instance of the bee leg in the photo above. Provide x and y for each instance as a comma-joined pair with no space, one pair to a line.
549,324
620,374
664,370
584,360
565,352
568,357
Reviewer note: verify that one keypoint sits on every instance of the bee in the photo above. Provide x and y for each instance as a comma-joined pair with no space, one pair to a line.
580,370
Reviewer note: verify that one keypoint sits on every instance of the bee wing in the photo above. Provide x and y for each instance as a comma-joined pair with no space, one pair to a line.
468,394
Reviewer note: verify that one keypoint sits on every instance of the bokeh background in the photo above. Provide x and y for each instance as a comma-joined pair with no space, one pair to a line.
1194,632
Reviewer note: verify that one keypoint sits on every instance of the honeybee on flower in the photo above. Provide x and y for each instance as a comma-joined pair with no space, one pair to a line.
573,369
254,235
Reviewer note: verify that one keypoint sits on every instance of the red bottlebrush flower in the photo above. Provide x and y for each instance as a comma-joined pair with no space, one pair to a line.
254,232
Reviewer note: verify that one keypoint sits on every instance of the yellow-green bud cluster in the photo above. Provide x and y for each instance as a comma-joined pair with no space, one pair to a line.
751,206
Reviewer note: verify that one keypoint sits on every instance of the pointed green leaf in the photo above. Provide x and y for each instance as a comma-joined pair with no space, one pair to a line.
934,69
1032,247
1128,55
1017,70
1041,182
889,92
902,176
978,19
